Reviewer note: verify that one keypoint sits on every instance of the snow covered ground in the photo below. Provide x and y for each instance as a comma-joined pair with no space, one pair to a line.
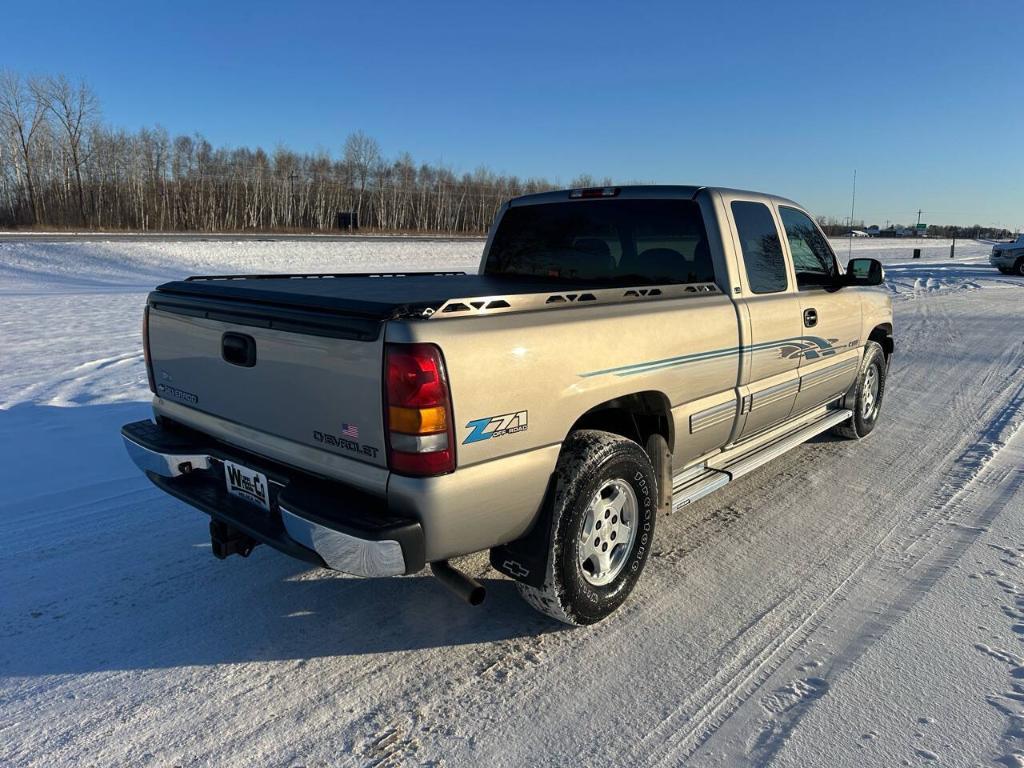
848,604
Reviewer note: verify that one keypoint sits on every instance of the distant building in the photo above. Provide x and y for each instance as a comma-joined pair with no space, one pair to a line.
873,230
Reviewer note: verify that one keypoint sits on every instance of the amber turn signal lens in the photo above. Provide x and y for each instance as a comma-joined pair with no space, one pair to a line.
418,421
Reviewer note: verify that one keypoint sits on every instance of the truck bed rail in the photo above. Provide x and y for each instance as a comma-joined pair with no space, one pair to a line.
413,295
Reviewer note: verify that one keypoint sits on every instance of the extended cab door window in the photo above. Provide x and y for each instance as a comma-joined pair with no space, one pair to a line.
762,251
813,260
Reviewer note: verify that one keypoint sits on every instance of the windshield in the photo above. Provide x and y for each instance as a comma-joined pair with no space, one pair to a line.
623,242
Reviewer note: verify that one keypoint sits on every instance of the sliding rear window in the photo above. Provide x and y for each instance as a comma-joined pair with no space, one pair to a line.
618,242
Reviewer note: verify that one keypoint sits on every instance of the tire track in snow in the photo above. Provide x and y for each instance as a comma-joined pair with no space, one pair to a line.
68,388
705,711
914,559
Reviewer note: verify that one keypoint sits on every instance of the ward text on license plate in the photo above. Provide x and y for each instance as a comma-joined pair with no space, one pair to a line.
247,484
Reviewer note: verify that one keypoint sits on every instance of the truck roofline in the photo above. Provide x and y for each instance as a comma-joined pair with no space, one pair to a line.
647,192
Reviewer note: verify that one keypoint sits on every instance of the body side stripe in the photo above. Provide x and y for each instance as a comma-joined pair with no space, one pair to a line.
671,362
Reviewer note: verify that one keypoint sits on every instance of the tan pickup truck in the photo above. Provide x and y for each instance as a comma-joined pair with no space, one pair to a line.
622,352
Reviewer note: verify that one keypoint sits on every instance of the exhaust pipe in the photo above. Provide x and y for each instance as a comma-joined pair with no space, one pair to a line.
466,587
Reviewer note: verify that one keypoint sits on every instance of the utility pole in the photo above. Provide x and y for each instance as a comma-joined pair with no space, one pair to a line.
853,205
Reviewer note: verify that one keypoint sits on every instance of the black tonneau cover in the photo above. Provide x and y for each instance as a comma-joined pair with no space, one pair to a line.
378,297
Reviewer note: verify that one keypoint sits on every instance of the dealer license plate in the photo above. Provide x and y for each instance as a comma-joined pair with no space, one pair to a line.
247,484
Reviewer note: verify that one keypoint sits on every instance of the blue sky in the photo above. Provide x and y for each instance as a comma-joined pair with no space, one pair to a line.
924,99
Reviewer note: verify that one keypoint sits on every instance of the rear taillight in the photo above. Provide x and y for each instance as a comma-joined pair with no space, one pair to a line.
418,411
145,350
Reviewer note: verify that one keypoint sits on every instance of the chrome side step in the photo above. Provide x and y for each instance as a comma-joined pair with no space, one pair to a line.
741,465
697,482
708,481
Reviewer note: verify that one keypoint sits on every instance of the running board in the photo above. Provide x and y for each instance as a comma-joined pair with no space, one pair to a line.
689,486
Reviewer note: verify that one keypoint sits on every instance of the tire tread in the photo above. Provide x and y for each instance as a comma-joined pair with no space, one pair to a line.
583,450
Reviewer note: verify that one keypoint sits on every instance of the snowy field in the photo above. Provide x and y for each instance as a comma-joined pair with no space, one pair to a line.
850,604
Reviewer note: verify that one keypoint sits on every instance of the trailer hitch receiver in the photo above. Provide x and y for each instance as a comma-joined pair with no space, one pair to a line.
226,541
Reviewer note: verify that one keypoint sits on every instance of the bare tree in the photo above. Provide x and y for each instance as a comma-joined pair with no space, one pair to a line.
22,116
361,158
76,109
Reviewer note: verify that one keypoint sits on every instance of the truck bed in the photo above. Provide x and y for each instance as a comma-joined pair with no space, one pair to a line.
319,299
376,297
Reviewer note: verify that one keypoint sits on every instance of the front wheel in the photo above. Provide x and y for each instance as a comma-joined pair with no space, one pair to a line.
1018,267
865,396
602,522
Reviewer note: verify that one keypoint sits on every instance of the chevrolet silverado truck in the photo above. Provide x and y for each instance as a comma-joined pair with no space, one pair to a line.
1008,258
621,353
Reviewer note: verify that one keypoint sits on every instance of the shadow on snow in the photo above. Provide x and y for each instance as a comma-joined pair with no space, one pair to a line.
104,572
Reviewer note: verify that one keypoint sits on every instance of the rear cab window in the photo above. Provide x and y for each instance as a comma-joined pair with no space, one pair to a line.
613,242
761,248
813,259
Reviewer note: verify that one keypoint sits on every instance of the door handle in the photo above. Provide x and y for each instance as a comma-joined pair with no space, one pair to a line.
810,318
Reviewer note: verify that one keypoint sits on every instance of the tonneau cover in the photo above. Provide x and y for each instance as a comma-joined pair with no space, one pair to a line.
377,297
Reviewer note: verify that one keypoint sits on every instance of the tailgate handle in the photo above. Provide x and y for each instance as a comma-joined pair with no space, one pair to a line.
238,349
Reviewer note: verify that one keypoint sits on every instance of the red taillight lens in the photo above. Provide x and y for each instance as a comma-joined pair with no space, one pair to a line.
417,411
145,350
415,376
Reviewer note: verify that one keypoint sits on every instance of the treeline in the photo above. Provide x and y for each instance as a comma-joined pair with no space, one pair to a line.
60,166
834,227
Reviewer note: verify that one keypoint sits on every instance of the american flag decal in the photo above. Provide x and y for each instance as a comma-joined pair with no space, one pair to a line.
350,431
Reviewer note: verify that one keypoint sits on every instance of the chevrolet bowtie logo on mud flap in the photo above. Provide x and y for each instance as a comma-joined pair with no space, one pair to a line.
515,569
495,426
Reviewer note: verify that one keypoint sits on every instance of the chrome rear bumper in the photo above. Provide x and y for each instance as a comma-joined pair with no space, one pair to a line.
324,523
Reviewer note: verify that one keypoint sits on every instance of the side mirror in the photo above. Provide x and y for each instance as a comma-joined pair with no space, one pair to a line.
864,272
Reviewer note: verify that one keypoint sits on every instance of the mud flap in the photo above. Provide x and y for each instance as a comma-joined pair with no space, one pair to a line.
661,460
526,558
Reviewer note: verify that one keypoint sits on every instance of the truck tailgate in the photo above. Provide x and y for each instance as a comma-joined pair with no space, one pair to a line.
314,381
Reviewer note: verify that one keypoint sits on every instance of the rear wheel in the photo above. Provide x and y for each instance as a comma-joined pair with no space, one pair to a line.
1018,267
865,396
602,523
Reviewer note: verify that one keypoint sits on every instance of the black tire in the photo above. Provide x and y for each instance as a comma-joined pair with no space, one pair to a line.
1018,267
590,462
864,417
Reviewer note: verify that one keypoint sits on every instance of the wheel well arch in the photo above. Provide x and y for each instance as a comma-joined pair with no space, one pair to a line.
636,416
882,333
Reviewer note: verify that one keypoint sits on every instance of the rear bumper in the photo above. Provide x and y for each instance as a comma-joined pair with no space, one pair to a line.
321,522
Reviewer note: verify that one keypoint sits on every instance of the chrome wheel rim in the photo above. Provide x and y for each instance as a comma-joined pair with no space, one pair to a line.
609,530
870,398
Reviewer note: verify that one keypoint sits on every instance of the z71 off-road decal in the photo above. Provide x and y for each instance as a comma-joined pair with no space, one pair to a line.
495,426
